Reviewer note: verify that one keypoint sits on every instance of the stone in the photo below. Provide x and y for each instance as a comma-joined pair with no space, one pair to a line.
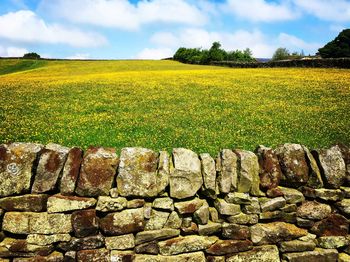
227,171
293,164
317,255
117,255
157,220
113,192
122,242
97,172
332,241
53,257
333,225
224,247
138,174
210,228
75,244
36,223
329,194
289,208
274,192
267,253
275,232
213,214
151,235
135,203
215,258
94,255
270,171
190,257
188,207
238,198
10,247
272,204
52,159
344,206
44,240
201,215
297,246
147,248
270,215
209,175
235,231
30,202
343,257
186,175
289,217
315,179
85,223
163,171
191,229
147,209
59,203
163,203
16,164
332,166
346,191
253,208
243,219
185,244
345,151
225,208
123,222
308,237
70,256
314,210
110,204
292,196
174,221
70,171
248,177
306,223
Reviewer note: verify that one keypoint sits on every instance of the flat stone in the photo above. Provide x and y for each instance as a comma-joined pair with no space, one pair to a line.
163,203
147,248
59,203
317,255
272,204
292,196
235,231
122,255
122,242
224,247
90,242
53,257
135,203
190,257
186,175
333,225
100,255
10,247
44,240
185,244
344,206
306,223
289,217
97,172
275,232
17,160
201,215
227,171
270,171
188,207
210,228
297,246
289,208
308,237
30,202
243,219
270,215
110,204
343,257
238,198
315,179
274,192
85,223
51,162
209,175
313,210
123,222
157,220
70,171
225,208
346,191
151,235
332,241
253,207
266,253
293,164
36,223
174,221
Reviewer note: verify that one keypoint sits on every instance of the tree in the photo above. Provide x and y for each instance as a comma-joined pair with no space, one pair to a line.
31,56
216,53
280,54
339,47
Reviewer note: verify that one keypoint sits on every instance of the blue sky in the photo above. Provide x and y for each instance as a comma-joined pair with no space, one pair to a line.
153,29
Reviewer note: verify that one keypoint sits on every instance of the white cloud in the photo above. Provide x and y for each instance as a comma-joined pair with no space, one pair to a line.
261,10
330,10
12,51
124,15
155,53
79,56
26,26
294,43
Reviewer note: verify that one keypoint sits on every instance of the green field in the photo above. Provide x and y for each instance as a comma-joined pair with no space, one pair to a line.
165,104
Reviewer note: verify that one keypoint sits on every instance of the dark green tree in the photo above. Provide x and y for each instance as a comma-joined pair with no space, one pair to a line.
216,53
281,53
31,55
339,47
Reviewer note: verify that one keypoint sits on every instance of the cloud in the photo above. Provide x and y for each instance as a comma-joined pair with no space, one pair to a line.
330,10
293,43
124,15
261,10
155,53
79,56
26,26
12,51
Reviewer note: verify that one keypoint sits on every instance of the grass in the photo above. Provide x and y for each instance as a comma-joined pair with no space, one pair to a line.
165,104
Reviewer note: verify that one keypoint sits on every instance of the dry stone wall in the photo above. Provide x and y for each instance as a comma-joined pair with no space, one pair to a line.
284,204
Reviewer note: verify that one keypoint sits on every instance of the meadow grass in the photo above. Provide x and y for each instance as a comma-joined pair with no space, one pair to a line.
165,104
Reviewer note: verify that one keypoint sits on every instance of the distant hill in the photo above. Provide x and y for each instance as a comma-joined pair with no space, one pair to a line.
263,60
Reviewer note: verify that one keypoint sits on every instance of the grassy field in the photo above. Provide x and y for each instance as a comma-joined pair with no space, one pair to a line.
165,104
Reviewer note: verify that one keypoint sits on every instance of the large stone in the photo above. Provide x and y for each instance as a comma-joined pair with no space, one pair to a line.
138,174
272,204
157,220
201,216
344,206
150,235
10,247
292,195
297,246
315,179
16,164
257,254
248,177
275,232
332,166
209,175
44,240
329,194
59,203
190,257
270,171
210,228
135,203
53,257
227,169
124,222
85,223
332,241
90,242
109,204
30,202
174,221
122,242
293,164
36,223
186,175
313,210
224,247
185,244
97,171
243,219
164,203
238,198
189,207
343,257
49,168
70,171
225,208
94,255
318,255
235,231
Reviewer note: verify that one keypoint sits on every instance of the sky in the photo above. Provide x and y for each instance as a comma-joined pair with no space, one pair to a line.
155,29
